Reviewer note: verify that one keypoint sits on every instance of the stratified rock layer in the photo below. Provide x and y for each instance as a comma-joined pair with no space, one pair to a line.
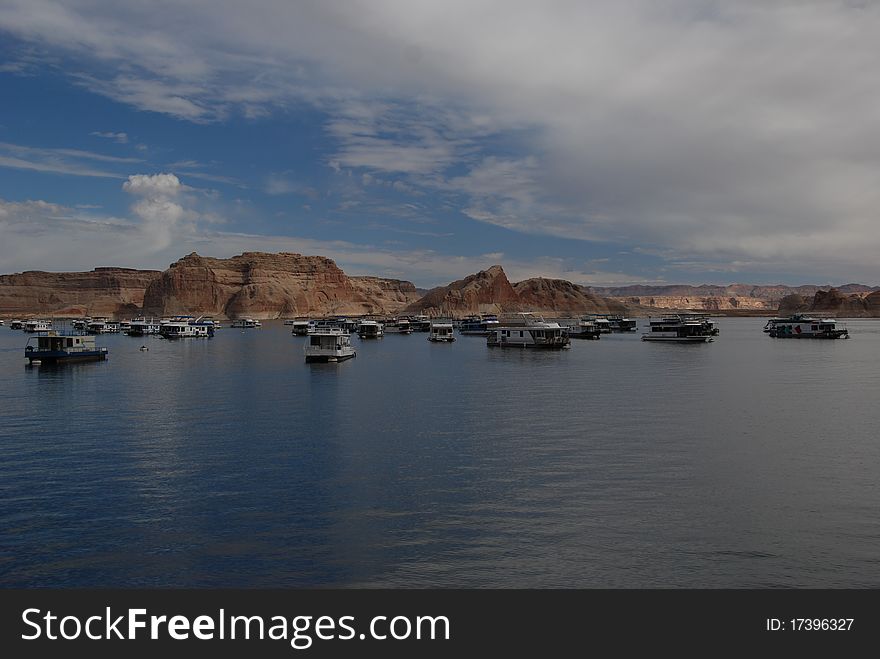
101,292
833,303
490,291
261,285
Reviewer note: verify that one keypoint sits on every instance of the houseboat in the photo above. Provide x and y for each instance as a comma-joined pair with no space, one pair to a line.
526,330
300,327
584,329
441,332
370,329
16,324
620,324
681,328
54,348
185,327
142,327
80,324
801,326
420,323
37,326
2,323
483,325
771,323
398,326
329,345
246,323
98,326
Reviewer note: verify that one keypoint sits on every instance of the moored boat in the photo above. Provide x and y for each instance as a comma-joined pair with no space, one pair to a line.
441,332
585,328
526,330
55,348
141,326
329,345
801,326
246,323
300,327
482,325
370,329
37,325
681,328
16,324
398,326
185,327
420,323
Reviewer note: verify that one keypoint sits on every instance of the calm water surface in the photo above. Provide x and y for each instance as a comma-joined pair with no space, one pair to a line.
747,462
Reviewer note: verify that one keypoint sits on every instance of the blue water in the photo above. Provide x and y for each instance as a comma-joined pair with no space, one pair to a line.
747,462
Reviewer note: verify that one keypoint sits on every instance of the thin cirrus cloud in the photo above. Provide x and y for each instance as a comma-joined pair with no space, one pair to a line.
726,134
74,162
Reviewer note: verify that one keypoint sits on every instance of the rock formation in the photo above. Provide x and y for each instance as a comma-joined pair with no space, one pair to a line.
489,291
101,292
735,297
833,302
262,285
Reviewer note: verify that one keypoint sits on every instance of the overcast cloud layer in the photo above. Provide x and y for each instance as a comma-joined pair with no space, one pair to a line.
714,135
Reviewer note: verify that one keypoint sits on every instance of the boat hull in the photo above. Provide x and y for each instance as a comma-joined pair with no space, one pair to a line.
53,357
529,346
325,359
837,334
679,339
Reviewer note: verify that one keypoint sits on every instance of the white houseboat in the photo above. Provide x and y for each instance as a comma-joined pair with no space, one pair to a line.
54,348
479,325
246,323
420,323
399,326
142,327
185,327
801,326
441,331
329,345
38,325
370,329
300,327
16,324
585,328
526,330
681,328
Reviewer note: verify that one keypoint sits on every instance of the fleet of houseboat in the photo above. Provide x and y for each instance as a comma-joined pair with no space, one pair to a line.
329,339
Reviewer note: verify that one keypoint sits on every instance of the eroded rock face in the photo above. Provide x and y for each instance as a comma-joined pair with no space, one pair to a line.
101,292
834,302
262,285
489,291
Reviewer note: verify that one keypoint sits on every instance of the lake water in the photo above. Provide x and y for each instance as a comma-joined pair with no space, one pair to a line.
747,462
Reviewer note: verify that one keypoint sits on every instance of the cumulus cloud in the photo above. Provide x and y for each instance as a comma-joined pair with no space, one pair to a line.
158,209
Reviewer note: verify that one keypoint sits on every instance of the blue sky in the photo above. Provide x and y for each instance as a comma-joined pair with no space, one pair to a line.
680,142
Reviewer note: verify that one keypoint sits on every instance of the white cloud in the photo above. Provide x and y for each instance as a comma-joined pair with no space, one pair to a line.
709,132
119,138
58,161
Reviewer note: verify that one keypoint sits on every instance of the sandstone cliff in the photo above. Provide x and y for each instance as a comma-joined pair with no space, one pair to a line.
101,292
490,291
833,302
734,297
558,296
262,285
